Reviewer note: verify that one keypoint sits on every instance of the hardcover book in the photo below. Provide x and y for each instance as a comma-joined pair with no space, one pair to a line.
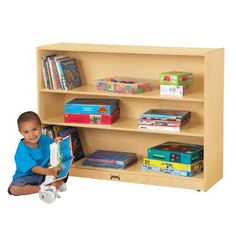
112,159
60,154
166,114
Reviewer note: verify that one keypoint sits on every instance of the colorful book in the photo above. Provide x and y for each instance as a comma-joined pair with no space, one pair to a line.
112,159
60,155
69,73
46,72
103,119
54,73
166,114
91,106
157,122
77,148
176,152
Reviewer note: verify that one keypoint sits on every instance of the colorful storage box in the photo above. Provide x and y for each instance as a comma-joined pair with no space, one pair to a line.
91,106
173,90
176,78
172,171
176,152
173,165
120,84
103,119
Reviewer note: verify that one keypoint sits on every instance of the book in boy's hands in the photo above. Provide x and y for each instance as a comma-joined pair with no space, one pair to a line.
77,148
60,155
110,159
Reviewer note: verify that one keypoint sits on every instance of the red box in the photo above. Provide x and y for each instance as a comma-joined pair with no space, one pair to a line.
103,119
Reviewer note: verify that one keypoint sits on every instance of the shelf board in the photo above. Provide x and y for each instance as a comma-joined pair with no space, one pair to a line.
134,173
124,49
130,124
90,89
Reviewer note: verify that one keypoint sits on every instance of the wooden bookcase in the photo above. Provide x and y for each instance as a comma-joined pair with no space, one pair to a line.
205,102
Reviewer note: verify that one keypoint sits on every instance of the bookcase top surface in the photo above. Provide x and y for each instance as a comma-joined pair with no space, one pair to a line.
100,48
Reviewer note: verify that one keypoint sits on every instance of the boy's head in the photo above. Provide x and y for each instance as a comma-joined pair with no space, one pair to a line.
29,125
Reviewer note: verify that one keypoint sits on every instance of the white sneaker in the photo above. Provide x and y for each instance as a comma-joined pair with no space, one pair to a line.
62,187
48,194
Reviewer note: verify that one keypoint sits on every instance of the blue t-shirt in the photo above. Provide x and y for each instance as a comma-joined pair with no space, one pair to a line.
27,157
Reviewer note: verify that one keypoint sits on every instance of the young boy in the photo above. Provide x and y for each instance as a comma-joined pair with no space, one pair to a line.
32,158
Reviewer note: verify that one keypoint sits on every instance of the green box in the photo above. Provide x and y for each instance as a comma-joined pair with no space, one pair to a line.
176,78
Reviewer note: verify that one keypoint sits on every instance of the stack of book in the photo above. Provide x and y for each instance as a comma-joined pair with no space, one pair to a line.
175,83
110,159
175,158
91,111
54,131
60,72
163,120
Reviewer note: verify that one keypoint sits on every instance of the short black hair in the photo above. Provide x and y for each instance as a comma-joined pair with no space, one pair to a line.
27,116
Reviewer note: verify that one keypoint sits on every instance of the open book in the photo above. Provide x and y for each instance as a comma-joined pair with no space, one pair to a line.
60,154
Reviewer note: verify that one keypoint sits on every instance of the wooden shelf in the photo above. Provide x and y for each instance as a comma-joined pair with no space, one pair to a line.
135,174
205,101
90,89
129,124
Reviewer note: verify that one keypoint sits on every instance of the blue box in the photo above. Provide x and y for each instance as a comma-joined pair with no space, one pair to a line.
91,106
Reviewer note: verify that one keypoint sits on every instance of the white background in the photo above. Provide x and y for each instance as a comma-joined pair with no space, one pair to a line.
93,207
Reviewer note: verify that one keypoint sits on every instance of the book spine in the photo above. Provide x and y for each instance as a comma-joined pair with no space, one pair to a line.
159,128
45,73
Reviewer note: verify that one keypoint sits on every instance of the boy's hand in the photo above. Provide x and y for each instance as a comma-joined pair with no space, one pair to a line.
54,170
57,139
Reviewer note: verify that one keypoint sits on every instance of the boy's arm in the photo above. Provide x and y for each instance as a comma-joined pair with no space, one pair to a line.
46,171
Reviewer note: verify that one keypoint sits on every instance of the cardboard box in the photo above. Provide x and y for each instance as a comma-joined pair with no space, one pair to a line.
176,78
91,106
103,119
173,90
176,152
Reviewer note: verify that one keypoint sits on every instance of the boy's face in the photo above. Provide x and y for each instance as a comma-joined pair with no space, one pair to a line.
31,131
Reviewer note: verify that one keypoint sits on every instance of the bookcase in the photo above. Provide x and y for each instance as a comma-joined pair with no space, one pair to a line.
205,101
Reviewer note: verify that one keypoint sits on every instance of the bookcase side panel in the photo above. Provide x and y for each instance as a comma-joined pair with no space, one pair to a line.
213,117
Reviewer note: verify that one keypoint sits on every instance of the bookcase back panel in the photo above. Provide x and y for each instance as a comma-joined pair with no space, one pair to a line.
51,104
93,66
132,108
94,139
